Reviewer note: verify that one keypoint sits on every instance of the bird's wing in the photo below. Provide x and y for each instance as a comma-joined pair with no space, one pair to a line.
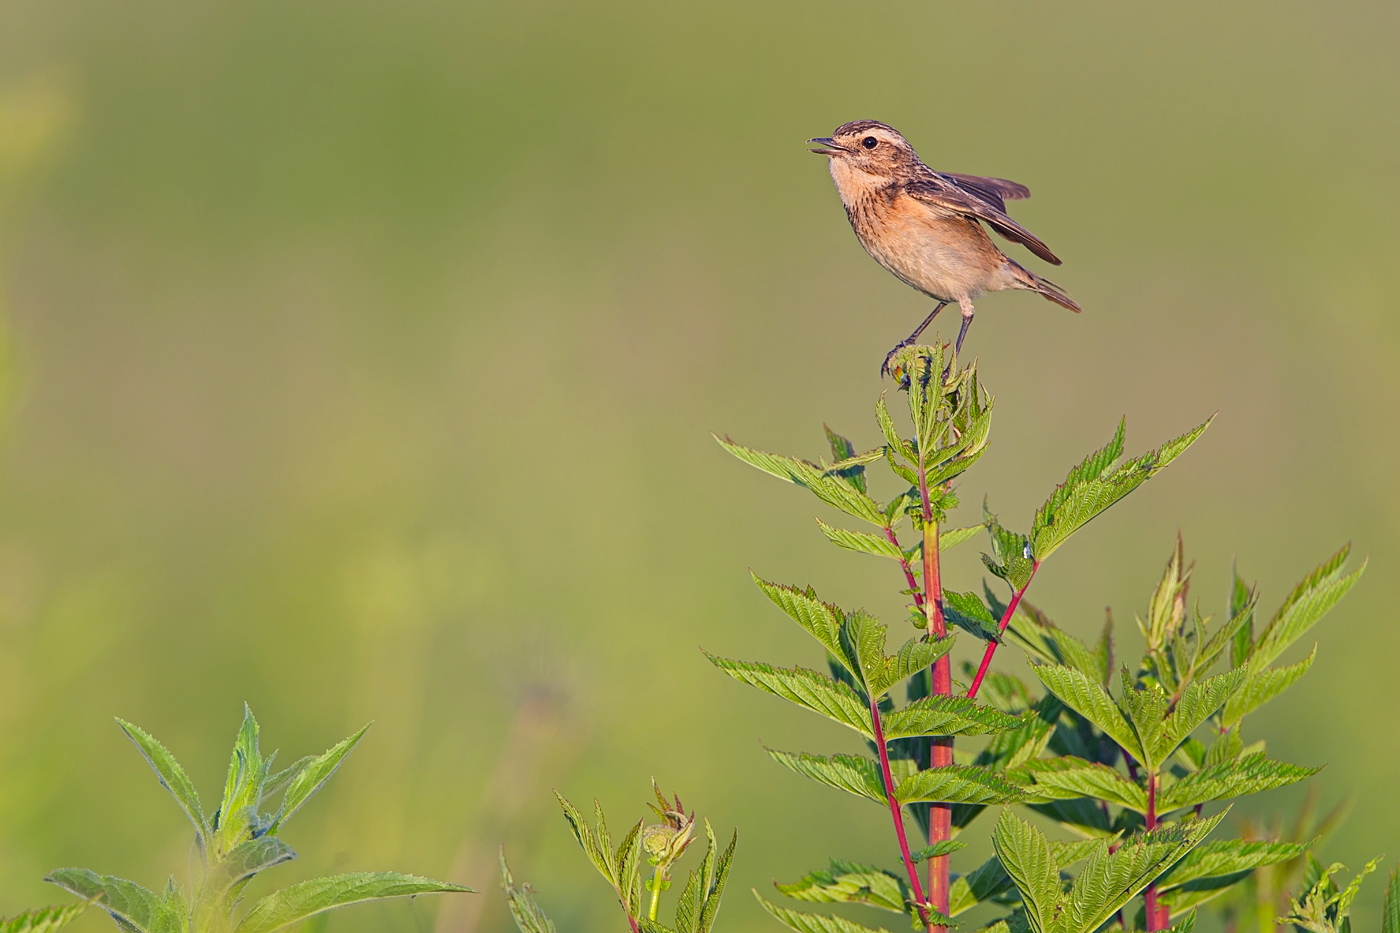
937,192
995,191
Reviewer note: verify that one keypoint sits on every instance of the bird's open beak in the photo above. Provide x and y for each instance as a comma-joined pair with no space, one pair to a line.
827,146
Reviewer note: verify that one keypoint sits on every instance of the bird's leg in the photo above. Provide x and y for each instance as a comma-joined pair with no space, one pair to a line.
967,312
909,341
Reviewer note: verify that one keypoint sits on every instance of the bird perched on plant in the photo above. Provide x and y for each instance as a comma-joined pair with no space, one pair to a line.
926,226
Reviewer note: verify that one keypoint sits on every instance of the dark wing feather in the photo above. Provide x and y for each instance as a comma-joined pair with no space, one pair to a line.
995,191
938,192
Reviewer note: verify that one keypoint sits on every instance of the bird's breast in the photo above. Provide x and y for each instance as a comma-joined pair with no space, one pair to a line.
941,253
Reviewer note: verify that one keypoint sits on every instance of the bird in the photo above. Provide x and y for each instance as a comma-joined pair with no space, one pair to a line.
926,226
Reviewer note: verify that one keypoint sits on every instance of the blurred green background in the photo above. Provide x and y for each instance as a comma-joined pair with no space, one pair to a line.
364,357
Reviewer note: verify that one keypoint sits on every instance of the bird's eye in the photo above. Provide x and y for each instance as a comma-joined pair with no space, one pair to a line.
870,142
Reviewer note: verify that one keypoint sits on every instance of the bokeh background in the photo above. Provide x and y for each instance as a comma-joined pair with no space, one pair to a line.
362,359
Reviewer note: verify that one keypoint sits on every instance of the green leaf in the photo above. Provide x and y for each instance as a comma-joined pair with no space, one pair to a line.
942,847
1390,912
1242,602
1249,775
42,919
226,878
247,771
808,689
913,656
952,537
713,877
1147,708
1198,702
315,775
1067,777
831,489
292,905
895,443
128,903
823,621
1033,632
1011,554
814,923
957,784
1310,601
595,844
1094,486
861,541
1261,687
946,715
983,883
844,453
1110,879
529,916
172,776
968,612
1228,858
1025,855
1087,698
278,782
850,883
854,774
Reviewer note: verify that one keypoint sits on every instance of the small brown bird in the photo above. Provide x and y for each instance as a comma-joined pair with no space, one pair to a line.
926,226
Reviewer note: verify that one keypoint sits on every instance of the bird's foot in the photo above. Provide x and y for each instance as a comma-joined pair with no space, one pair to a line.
886,369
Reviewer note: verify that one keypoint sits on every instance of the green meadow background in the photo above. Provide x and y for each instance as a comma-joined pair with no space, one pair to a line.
362,359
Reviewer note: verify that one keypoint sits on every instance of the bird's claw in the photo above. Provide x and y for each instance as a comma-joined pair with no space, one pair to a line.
885,369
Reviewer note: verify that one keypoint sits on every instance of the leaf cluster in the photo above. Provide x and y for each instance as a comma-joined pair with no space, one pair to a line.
234,844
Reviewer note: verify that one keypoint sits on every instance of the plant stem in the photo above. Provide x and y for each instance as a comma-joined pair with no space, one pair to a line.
940,816
1001,629
908,571
1158,917
655,893
895,813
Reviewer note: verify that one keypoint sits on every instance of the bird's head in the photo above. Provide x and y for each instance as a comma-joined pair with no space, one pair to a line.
867,146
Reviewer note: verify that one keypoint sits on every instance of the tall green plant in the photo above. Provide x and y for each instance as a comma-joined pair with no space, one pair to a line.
1126,773
235,843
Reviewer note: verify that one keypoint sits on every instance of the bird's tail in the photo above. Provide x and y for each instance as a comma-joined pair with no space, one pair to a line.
1045,288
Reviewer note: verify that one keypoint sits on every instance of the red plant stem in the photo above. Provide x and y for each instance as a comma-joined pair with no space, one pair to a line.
895,813
1158,916
940,815
992,645
908,572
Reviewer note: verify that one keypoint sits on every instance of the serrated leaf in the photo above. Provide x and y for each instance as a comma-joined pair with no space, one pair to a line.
850,883
849,466
294,904
1067,777
804,922
1248,775
913,656
278,782
940,848
42,919
1310,600
1011,554
1110,879
861,541
1032,631
1227,858
808,689
969,613
946,715
1261,687
315,775
713,878
1147,708
529,916
1093,486
823,621
951,537
1089,699
1025,855
854,774
829,488
895,443
957,784
1197,703
172,776
128,903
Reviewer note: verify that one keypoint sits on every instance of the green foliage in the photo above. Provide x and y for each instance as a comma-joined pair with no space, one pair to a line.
1129,767
42,919
1325,908
236,844
664,843
1110,879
